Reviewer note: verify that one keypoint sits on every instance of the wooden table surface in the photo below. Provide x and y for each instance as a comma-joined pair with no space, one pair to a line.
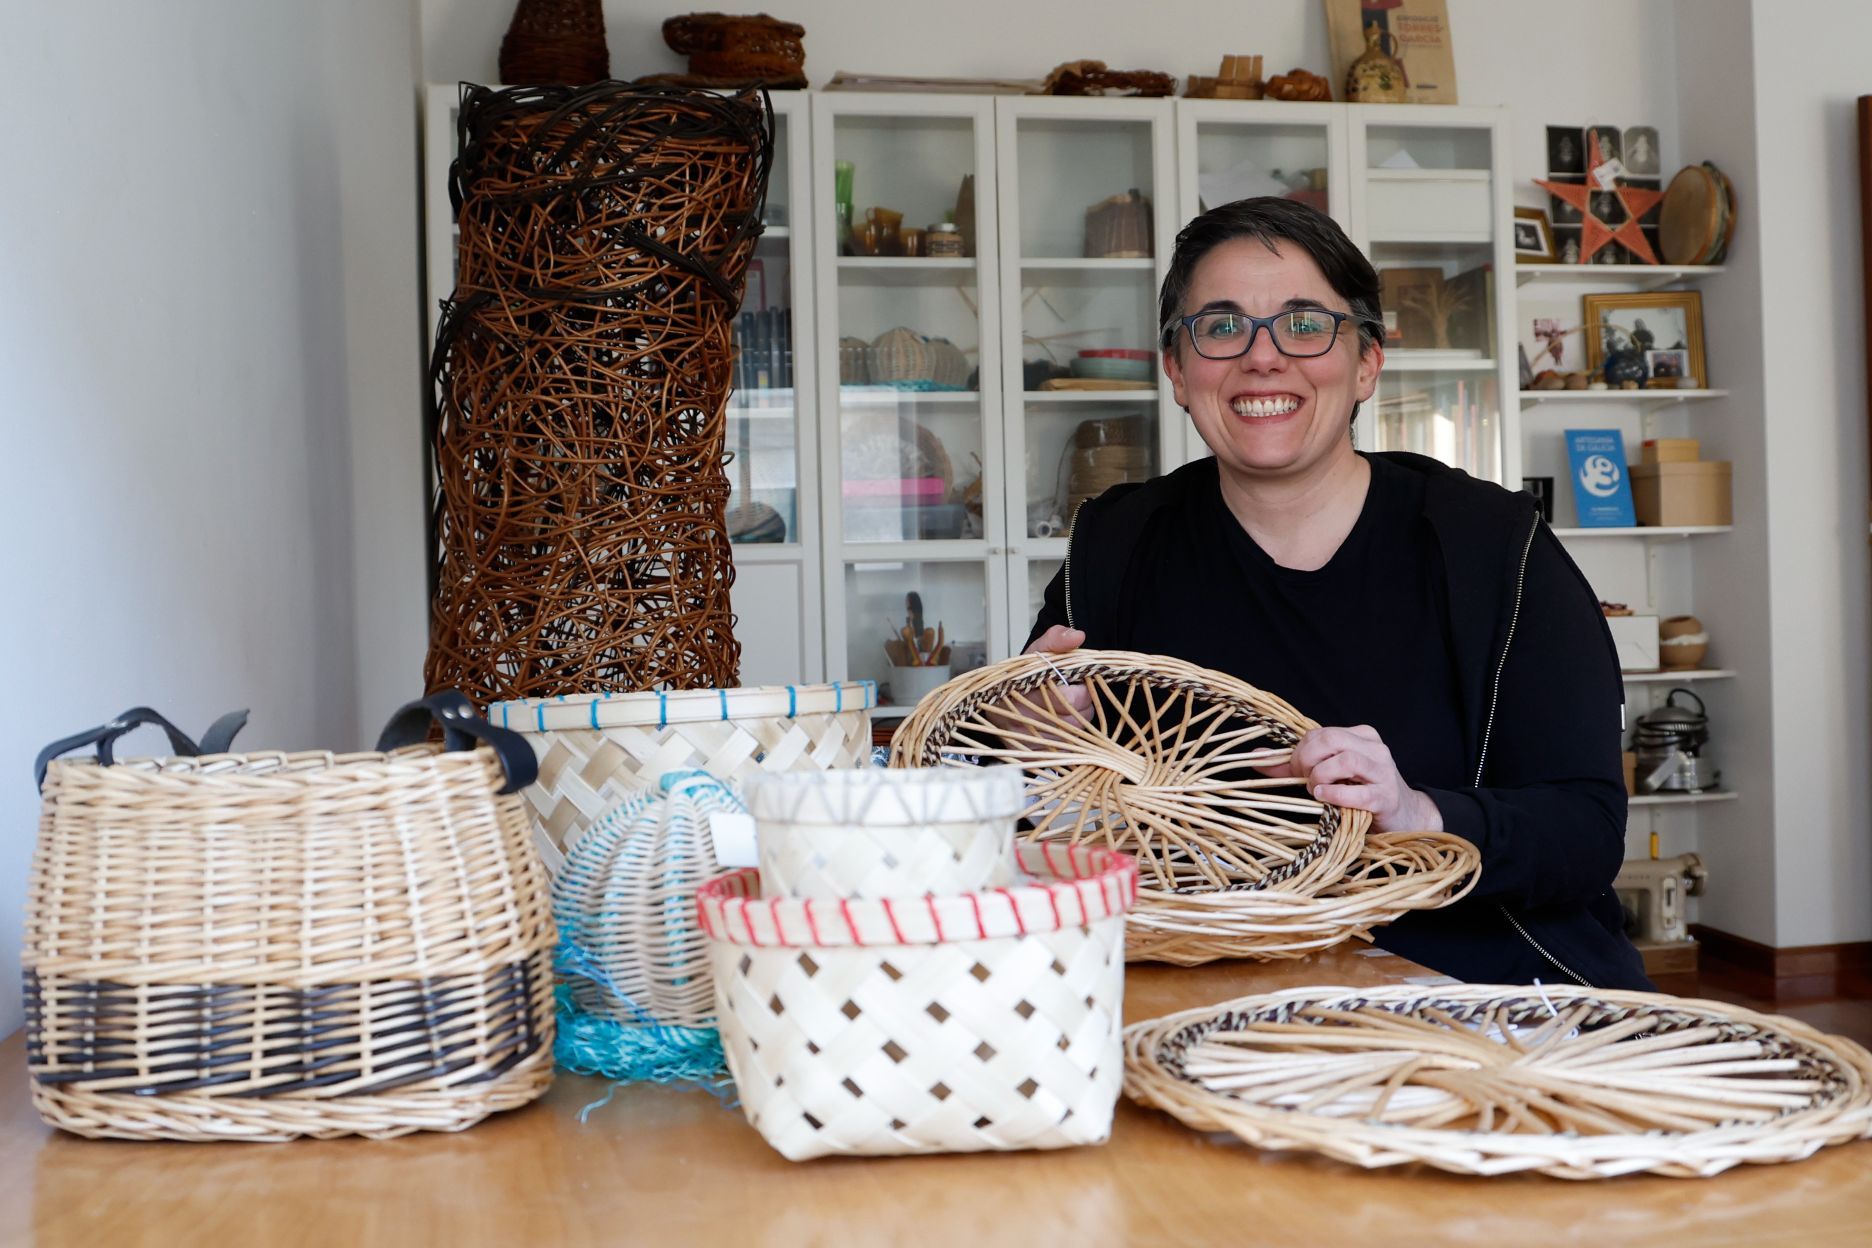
661,1166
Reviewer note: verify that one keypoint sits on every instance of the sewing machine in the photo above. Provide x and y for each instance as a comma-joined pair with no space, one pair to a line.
1652,891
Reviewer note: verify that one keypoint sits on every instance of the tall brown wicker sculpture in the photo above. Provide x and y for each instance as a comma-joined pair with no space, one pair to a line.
555,41
580,372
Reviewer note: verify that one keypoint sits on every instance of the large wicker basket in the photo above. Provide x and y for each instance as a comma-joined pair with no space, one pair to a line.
266,946
939,1024
597,750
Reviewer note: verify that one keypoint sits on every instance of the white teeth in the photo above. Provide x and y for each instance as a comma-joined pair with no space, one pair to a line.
1265,407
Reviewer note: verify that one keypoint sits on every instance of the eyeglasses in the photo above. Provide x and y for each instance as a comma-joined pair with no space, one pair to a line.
1300,333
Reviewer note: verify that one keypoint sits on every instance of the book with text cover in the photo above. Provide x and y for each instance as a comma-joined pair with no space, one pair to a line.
1601,486
1417,32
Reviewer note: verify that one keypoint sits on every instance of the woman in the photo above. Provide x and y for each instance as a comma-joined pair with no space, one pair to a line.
1431,616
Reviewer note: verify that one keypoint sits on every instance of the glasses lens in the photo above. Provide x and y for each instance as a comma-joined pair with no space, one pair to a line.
1219,335
1304,332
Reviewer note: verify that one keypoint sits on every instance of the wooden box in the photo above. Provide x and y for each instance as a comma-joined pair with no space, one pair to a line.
1679,494
1670,451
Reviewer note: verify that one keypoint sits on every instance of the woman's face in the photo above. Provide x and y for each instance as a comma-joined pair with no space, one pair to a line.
1265,414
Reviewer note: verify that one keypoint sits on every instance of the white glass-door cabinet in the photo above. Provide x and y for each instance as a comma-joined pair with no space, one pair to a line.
909,402
1430,203
774,515
1087,210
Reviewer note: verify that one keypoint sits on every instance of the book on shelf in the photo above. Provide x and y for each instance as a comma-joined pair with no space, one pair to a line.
1601,487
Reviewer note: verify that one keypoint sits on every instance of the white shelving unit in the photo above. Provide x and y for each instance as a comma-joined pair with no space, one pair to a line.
1654,568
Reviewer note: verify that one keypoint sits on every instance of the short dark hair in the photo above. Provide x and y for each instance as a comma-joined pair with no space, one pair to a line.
1273,220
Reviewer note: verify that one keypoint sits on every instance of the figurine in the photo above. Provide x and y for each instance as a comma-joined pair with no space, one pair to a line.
1377,76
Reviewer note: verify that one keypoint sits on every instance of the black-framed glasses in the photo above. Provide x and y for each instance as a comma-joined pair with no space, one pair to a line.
1300,333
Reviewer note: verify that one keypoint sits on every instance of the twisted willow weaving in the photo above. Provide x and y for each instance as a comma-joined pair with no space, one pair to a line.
1167,763
580,372
1579,1084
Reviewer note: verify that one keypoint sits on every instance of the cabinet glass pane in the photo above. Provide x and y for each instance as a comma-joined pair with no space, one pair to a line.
1236,161
1438,301
763,423
1079,446
910,417
1084,189
1448,414
954,600
1040,574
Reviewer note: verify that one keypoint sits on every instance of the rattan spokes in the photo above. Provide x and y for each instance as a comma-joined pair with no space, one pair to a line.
1490,1080
1166,764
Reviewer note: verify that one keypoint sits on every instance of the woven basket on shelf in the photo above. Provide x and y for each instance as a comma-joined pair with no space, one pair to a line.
266,946
941,1024
1577,1083
596,750
877,833
1119,226
1233,863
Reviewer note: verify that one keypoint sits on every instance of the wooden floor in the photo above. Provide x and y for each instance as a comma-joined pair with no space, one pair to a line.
1849,1014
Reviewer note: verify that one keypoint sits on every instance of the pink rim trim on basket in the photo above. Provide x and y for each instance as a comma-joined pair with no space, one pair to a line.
1099,883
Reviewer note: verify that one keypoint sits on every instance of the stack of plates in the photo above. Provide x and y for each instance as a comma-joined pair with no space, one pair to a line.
1115,365
1698,216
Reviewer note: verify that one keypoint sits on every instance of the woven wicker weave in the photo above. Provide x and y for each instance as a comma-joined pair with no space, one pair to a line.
943,1024
269,946
875,833
1578,1084
1233,863
596,750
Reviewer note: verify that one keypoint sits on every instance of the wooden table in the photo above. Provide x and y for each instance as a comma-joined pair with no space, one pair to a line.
662,1166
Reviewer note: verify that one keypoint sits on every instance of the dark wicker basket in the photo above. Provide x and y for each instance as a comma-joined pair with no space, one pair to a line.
555,41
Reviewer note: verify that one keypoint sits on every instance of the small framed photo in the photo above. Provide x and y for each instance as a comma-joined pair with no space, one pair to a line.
1562,211
1670,363
1641,151
1567,243
1611,143
1659,326
1533,237
1566,150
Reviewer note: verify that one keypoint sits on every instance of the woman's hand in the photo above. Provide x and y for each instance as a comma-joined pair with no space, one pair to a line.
1060,639
1353,767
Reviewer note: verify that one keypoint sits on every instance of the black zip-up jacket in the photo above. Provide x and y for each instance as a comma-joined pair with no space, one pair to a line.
1542,705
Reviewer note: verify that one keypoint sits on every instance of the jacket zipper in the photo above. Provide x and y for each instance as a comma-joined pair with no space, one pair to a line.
1071,528
1488,727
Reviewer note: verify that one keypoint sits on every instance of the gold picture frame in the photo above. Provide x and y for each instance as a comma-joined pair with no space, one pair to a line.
1533,237
1675,323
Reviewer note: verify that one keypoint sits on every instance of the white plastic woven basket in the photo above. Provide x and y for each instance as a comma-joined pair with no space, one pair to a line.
941,1024
886,833
595,751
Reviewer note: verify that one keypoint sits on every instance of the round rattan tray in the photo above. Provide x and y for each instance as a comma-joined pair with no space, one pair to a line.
1483,1079
1166,765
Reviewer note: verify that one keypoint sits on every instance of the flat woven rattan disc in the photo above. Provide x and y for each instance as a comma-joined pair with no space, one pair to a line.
1483,1079
1167,766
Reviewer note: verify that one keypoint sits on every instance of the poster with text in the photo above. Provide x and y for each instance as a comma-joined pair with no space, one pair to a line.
1417,32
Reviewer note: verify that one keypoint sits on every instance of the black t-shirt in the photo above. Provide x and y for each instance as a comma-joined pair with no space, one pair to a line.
1363,640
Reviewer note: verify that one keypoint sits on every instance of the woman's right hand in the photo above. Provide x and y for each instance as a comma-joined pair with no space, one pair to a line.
1060,639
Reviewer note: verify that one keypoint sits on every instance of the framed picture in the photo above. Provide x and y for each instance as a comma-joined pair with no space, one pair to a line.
1641,151
1662,323
1566,150
1533,237
1667,363
1405,295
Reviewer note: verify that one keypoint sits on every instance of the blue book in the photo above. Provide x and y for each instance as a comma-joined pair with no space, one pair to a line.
1601,487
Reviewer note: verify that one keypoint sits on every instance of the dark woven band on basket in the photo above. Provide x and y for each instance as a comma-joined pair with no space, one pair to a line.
275,1040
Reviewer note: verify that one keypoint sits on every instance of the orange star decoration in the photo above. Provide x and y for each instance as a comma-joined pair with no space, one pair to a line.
1595,233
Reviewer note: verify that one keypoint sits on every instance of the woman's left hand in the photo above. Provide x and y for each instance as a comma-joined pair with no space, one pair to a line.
1353,767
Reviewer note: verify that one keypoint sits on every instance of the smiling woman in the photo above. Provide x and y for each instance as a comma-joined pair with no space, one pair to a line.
1429,620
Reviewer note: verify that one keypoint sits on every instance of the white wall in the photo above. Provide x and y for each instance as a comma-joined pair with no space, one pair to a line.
1814,341
208,317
